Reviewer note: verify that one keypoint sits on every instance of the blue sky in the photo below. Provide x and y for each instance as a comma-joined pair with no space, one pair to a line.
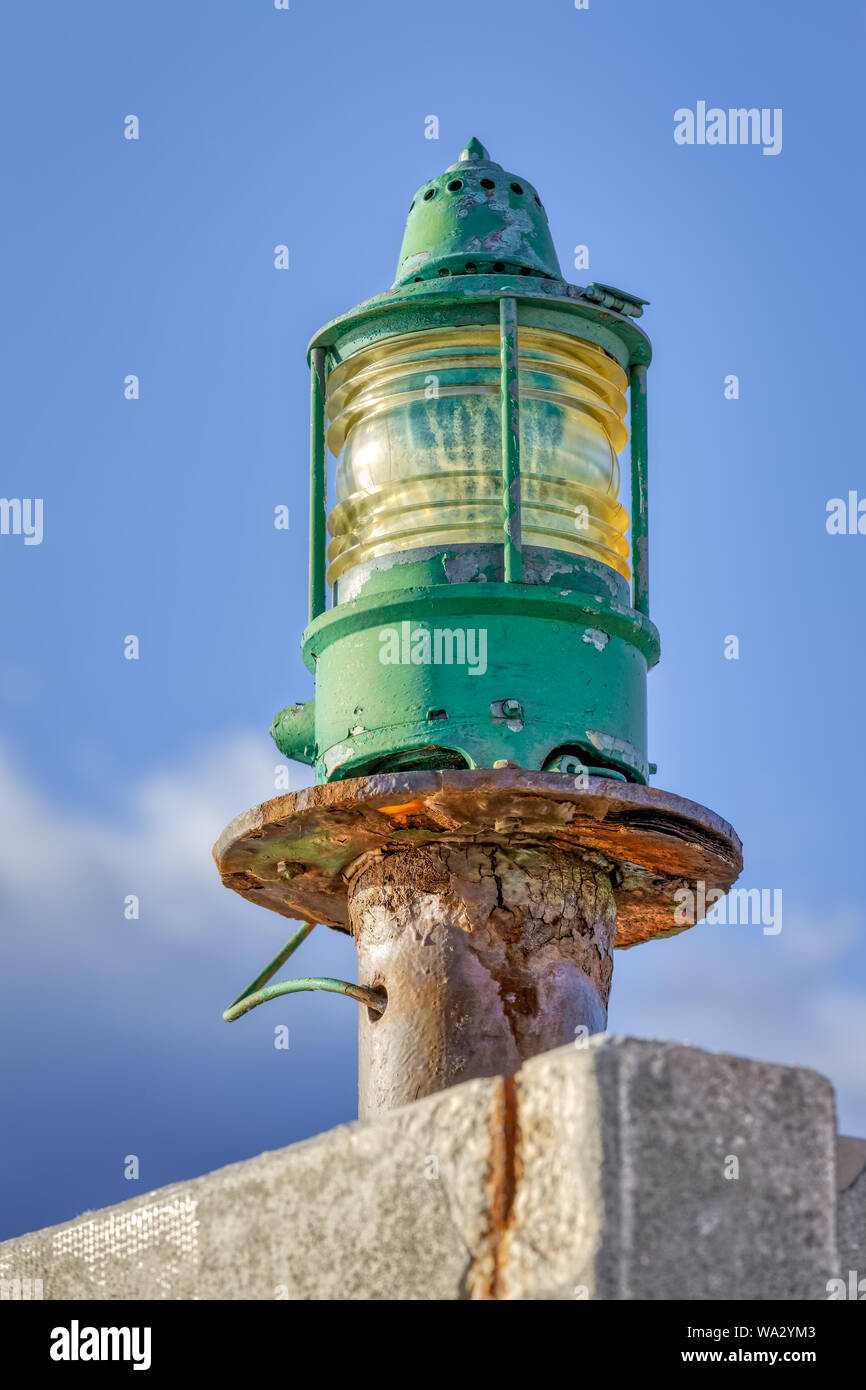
155,257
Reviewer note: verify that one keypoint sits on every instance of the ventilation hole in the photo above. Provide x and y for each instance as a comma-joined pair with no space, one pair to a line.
455,185
373,1014
524,270
429,759
444,271
487,183
498,266
437,714
431,193
470,266
418,279
412,204
516,188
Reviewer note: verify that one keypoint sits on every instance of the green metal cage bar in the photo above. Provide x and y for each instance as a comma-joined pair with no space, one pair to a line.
509,412
318,484
639,511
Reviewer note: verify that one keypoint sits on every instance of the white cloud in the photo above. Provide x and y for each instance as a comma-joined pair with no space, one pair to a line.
159,849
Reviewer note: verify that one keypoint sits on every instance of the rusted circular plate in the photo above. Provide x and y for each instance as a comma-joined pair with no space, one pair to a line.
297,853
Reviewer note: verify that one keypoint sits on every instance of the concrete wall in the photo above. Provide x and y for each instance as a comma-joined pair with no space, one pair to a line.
851,1215
620,1169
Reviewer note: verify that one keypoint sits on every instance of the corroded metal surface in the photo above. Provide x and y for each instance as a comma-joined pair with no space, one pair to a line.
297,854
488,955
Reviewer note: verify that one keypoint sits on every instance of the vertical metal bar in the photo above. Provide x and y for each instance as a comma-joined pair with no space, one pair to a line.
639,512
318,483
509,413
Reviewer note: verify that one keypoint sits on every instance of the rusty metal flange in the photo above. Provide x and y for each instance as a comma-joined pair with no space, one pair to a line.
297,854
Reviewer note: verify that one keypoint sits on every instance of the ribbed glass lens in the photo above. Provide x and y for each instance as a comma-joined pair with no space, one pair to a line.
415,428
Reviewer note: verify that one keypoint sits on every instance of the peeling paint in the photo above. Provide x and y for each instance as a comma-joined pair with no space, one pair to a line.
336,756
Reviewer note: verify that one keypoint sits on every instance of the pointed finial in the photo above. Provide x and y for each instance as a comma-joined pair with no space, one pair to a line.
474,153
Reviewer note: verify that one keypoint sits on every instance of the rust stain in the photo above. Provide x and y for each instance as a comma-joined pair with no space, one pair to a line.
654,840
487,1277
243,882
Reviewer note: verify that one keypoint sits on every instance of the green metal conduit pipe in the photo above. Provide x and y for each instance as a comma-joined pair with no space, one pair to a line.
254,994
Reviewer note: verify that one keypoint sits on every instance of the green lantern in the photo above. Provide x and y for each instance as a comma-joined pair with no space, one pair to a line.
489,586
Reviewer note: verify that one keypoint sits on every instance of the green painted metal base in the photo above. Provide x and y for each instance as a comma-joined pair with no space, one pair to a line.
471,675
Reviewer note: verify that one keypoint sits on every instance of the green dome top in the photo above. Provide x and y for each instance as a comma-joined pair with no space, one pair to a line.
476,219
